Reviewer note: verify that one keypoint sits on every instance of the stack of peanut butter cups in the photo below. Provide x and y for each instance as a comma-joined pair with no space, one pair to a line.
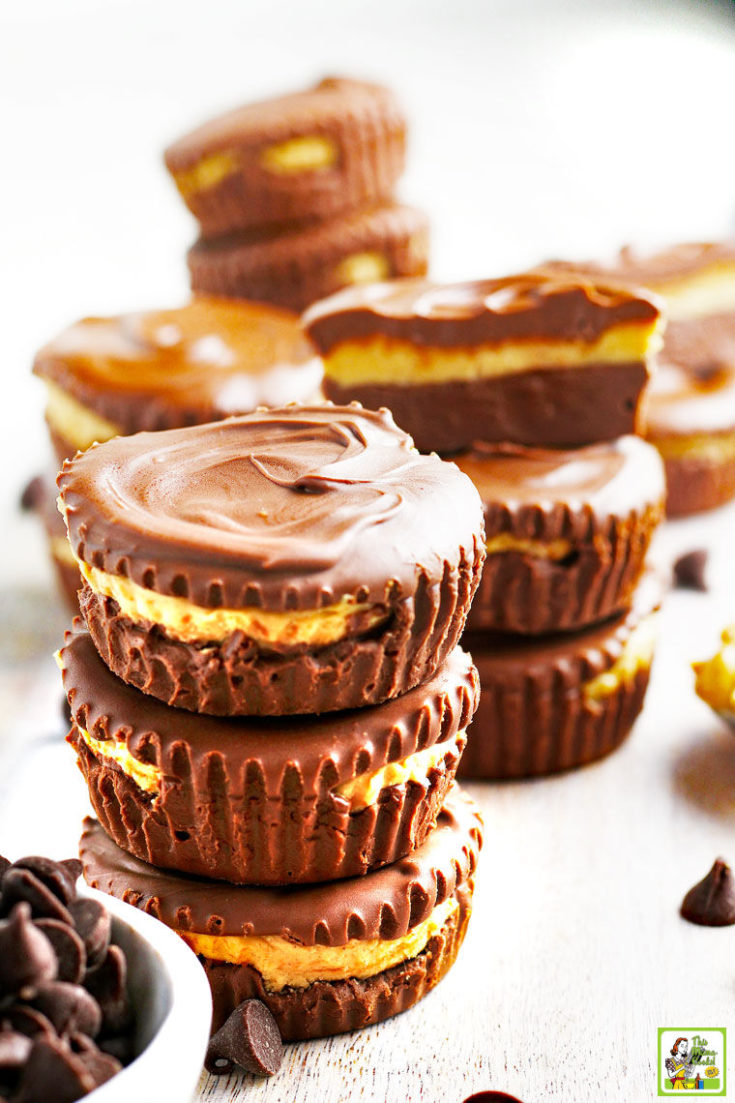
269,703
295,195
533,385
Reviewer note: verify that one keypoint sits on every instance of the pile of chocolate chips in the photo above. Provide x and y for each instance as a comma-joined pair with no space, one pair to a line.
65,1021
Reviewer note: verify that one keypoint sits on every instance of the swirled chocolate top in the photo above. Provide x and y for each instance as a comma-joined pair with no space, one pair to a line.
384,904
283,509
333,102
534,306
552,493
323,751
195,363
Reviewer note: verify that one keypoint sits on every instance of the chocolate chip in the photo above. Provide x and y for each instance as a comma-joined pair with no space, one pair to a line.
60,877
92,923
14,1050
54,1072
71,957
27,957
69,1007
22,885
249,1038
492,1097
690,570
107,983
26,1020
711,903
31,497
101,1066
119,1046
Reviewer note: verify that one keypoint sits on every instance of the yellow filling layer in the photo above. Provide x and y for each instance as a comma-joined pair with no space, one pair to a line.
710,291
144,774
363,268
390,360
540,549
206,173
74,422
307,154
360,792
637,654
192,623
715,678
715,449
364,790
284,964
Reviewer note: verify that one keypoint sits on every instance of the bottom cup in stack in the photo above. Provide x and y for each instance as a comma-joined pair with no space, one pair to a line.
324,958
562,629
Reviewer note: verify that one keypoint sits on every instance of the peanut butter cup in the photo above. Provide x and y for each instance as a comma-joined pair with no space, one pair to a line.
690,408
298,560
266,801
715,678
169,368
541,359
566,532
324,958
304,263
554,702
308,155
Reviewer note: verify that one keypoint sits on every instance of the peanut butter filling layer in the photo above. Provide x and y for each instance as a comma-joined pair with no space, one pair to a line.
380,359
206,173
360,792
367,267
709,291
713,449
308,153
637,655
192,623
715,677
540,549
284,964
73,421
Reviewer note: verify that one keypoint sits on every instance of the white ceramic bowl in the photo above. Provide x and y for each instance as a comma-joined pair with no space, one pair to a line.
173,1007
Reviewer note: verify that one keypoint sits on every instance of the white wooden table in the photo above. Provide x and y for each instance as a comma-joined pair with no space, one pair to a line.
575,952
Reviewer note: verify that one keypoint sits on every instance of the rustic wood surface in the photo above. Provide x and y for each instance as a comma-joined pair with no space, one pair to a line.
575,953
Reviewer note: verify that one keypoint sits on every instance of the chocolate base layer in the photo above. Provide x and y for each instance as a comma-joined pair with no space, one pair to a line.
533,718
336,1007
237,678
695,484
544,407
303,264
363,121
257,801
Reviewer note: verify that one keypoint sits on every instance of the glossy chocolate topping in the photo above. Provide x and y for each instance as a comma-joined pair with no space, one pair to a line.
689,403
535,305
332,100
324,750
199,362
607,480
291,508
383,904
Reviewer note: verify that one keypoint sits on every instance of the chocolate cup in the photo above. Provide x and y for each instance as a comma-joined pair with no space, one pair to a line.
248,801
544,407
604,502
533,718
694,484
364,121
68,578
384,905
302,264
236,678
336,1007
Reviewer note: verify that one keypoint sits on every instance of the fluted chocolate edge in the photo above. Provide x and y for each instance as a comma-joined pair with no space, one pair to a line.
694,484
235,678
336,1007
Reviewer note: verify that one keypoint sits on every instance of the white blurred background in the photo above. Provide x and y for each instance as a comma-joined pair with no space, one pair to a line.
538,128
